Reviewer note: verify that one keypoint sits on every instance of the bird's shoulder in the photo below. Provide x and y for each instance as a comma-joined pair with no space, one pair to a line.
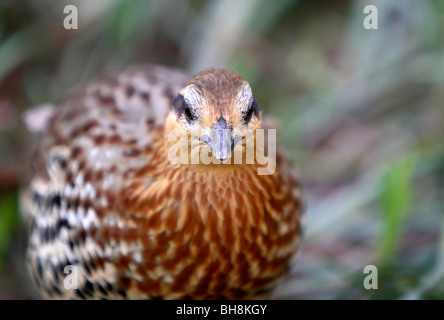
102,132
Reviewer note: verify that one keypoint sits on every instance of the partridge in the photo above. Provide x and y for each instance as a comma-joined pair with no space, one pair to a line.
115,213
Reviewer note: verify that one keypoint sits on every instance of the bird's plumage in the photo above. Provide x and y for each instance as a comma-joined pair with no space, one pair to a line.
105,198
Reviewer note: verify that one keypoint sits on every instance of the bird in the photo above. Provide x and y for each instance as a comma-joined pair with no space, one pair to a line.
113,214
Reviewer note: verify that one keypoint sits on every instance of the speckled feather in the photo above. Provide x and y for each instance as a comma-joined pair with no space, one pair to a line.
105,198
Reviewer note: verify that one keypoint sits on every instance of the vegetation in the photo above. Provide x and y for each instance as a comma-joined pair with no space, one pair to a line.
359,111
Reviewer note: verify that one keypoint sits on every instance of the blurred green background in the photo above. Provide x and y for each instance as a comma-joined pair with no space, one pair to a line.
359,111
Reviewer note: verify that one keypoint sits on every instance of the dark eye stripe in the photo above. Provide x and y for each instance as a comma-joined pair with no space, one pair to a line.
179,104
252,109
249,113
255,108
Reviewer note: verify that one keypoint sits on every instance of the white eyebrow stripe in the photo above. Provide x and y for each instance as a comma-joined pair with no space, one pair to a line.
245,95
192,97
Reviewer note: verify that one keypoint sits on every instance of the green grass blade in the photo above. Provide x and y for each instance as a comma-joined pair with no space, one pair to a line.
396,200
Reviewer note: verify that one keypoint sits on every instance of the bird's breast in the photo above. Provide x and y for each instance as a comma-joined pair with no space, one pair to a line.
215,234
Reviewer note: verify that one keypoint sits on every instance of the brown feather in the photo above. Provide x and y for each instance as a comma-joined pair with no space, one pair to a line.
105,189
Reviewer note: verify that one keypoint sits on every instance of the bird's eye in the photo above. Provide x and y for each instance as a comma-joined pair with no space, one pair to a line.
250,111
180,106
188,113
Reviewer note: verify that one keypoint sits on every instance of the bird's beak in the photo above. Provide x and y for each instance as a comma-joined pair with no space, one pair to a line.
220,142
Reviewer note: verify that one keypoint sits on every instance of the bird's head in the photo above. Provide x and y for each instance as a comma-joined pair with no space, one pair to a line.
217,109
